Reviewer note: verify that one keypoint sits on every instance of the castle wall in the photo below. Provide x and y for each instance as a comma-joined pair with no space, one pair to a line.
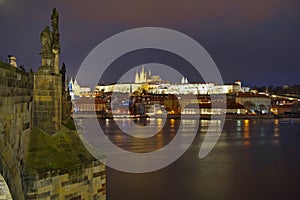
15,122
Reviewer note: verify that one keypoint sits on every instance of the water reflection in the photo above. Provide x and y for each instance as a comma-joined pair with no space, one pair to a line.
262,163
246,129
159,122
240,132
262,132
246,135
188,125
238,126
276,128
172,122
276,135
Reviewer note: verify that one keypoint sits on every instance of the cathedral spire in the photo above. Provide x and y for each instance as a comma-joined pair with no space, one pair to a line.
137,77
182,80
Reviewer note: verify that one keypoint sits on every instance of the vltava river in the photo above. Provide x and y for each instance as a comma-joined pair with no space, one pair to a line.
253,159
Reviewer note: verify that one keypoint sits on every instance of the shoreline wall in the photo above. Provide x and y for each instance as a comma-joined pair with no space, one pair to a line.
85,181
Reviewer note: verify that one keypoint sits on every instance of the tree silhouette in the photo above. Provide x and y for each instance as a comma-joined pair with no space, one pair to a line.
250,106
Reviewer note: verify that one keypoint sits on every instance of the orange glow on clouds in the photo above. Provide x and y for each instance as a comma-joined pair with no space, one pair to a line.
144,12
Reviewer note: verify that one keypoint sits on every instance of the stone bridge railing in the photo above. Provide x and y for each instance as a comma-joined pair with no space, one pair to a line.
16,88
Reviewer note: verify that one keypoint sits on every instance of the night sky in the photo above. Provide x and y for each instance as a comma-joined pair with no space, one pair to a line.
255,41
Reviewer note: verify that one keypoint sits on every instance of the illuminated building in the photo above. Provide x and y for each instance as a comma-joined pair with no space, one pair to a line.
153,84
254,102
146,77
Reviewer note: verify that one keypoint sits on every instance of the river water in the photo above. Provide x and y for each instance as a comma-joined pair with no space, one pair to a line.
253,159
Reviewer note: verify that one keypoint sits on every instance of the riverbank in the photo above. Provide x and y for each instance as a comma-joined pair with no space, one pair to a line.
228,116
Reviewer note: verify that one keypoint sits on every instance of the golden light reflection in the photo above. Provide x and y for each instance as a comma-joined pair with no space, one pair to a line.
246,130
172,121
246,122
276,132
205,122
246,126
188,121
247,143
159,135
118,138
246,135
159,121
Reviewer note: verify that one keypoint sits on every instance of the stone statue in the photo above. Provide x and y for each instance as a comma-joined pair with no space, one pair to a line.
54,24
55,44
46,39
46,51
54,20
50,45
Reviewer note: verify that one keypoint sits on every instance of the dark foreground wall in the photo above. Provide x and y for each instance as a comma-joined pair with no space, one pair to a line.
16,88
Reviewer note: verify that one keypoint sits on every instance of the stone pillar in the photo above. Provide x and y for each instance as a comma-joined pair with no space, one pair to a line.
47,59
47,93
56,60
47,101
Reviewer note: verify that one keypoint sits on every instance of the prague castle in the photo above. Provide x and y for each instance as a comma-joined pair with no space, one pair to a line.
155,85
